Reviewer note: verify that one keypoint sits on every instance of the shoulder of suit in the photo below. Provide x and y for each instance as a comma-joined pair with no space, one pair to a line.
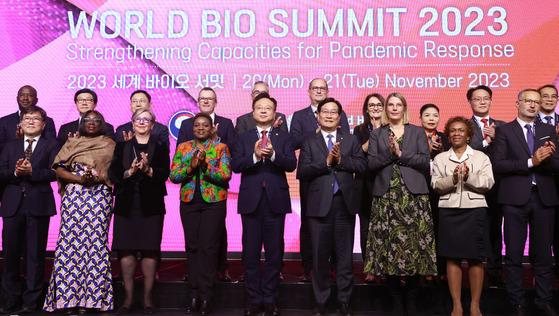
222,118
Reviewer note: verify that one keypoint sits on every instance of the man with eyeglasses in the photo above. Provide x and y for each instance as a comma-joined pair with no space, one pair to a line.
547,115
27,205
224,131
304,124
141,99
85,100
10,127
328,161
524,152
246,122
479,100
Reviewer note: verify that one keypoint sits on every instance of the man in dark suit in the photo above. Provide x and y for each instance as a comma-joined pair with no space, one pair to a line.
328,161
27,204
224,130
246,121
85,100
304,124
548,116
223,127
10,124
263,156
141,99
479,99
525,157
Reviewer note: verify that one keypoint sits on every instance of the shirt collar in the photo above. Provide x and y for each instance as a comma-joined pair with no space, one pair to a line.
479,118
522,123
325,135
452,155
36,138
259,130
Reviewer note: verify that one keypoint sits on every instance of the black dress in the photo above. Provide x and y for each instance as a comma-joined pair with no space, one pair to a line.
136,230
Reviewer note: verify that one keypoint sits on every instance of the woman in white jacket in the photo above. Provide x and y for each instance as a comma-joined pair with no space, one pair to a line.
461,176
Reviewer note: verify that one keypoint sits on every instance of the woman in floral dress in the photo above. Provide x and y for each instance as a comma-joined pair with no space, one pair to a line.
401,235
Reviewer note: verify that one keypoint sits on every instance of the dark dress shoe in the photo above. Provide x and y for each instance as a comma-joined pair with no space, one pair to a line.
10,307
205,308
253,309
193,306
271,309
224,277
519,310
123,310
305,277
548,311
149,310
345,310
242,278
319,310
28,308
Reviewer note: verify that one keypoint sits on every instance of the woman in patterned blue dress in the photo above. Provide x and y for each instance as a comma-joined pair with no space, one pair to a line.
81,277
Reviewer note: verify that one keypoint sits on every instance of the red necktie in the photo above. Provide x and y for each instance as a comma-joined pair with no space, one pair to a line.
484,121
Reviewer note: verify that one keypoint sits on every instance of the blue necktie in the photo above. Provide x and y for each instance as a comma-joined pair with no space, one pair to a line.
530,142
548,119
330,145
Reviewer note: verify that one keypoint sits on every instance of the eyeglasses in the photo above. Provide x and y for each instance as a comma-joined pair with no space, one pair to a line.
28,119
256,92
478,100
206,99
547,96
333,112
84,100
142,120
95,120
316,88
264,108
530,101
375,105
140,101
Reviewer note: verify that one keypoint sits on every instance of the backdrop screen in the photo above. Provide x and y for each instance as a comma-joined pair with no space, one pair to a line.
431,52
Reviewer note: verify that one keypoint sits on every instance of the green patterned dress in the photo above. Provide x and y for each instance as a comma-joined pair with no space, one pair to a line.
401,234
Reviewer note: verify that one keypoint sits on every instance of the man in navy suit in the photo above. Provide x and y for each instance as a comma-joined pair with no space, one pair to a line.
329,160
223,127
304,124
224,130
85,100
27,204
246,121
263,156
9,124
525,157
547,115
479,100
141,99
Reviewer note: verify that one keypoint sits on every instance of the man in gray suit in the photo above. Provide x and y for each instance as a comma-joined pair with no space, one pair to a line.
479,99
246,121
328,161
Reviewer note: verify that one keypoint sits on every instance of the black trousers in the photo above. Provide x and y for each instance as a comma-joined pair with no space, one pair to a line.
262,227
33,231
540,219
333,233
203,224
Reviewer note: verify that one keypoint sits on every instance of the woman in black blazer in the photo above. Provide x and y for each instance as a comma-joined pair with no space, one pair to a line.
372,114
139,170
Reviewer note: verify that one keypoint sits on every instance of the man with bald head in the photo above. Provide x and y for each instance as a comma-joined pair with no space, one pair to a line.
10,127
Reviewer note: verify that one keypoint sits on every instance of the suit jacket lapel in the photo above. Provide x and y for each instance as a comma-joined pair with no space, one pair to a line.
321,144
38,150
478,135
517,129
538,141
312,117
